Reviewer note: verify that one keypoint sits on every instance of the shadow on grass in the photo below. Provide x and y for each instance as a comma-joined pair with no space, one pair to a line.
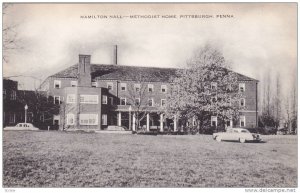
251,142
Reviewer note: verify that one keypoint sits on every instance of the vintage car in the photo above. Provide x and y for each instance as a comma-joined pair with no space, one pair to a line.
22,127
236,134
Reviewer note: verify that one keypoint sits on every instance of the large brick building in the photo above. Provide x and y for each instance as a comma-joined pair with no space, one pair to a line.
40,108
93,96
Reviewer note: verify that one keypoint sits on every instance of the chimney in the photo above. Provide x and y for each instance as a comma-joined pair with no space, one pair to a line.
116,55
84,70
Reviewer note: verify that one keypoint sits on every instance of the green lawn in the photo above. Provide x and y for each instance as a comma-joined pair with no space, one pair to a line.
59,159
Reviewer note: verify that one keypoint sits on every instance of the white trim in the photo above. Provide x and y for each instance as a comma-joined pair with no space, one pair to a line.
246,111
151,86
104,99
57,82
242,85
89,99
244,100
151,101
88,119
135,86
104,119
243,118
121,101
161,102
163,87
212,119
54,99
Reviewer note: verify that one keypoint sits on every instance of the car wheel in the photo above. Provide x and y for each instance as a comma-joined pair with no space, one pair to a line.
242,140
219,139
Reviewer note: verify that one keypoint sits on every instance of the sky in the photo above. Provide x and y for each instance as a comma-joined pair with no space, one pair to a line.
255,38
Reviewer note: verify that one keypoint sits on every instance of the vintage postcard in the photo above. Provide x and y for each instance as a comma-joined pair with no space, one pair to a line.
150,95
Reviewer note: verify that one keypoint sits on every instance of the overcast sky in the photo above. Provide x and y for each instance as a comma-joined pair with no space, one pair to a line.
259,38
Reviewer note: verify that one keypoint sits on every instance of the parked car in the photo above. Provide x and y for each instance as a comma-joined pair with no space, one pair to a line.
22,127
116,128
236,134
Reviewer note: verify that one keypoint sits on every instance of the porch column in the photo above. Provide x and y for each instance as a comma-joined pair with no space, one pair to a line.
161,122
175,123
133,122
148,124
119,119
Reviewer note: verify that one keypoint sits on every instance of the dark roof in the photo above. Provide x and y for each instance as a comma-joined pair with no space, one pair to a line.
129,73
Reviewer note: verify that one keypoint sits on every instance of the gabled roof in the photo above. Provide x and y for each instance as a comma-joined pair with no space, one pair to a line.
128,73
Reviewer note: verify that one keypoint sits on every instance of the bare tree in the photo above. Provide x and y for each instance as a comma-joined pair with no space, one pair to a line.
11,41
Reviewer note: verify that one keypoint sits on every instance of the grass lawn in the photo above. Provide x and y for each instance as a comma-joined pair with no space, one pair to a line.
60,159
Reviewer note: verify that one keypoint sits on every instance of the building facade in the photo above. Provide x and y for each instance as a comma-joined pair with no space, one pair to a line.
94,96
40,109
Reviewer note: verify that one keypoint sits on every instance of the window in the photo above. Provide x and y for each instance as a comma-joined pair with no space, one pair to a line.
242,87
88,119
163,102
42,117
214,121
242,121
89,99
137,101
137,87
163,88
111,100
213,86
242,102
70,119
110,86
57,84
123,101
229,123
56,119
56,99
73,83
150,87
94,84
104,119
104,99
71,98
150,102
4,94
13,95
194,121
123,86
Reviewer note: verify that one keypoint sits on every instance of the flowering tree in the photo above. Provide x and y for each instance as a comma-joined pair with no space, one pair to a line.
206,88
